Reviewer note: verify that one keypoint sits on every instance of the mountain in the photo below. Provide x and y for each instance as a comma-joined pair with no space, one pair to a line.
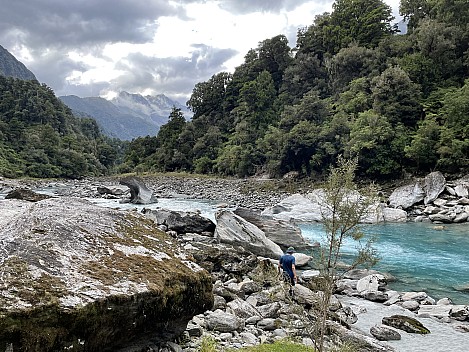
11,67
127,116
113,121
157,108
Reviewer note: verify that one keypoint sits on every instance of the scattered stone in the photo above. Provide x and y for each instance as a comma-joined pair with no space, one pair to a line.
384,333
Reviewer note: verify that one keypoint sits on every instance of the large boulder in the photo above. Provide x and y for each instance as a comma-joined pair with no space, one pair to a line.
434,185
284,233
79,277
181,221
233,229
26,194
139,192
405,323
406,196
299,208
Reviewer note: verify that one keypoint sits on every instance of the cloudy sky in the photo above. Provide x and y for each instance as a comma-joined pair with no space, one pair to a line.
99,47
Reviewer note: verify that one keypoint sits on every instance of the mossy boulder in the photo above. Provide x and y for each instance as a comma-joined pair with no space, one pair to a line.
405,323
80,277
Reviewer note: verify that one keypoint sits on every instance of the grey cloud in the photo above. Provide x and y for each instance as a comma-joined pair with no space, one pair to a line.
59,23
175,76
244,7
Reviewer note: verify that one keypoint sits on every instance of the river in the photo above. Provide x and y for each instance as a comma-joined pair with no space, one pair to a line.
420,257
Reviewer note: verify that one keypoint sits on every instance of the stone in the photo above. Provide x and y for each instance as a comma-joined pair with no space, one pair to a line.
304,295
223,322
249,338
82,262
463,201
459,312
441,218
139,192
269,310
393,215
375,296
438,311
440,202
461,190
434,185
269,324
297,207
444,301
461,217
26,194
194,329
234,230
284,233
301,259
410,305
384,333
406,196
307,275
416,296
347,315
180,221
242,309
405,323
371,283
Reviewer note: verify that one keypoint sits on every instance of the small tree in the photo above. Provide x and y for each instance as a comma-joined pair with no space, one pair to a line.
343,210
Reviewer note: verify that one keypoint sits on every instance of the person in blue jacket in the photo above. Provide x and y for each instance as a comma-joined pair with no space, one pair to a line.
287,263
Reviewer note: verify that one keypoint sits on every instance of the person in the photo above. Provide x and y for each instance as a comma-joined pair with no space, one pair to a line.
287,263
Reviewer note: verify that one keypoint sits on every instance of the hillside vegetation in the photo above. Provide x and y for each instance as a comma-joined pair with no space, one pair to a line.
40,137
351,86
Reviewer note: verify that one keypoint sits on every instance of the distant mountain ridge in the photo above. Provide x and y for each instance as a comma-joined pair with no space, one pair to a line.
126,116
11,67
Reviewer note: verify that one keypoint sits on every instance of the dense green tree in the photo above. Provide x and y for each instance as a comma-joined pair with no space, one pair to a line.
396,97
40,137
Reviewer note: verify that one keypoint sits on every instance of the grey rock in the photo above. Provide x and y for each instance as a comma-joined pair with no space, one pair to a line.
442,218
405,323
406,196
301,259
283,233
139,192
234,230
461,190
81,257
242,309
384,333
223,322
180,221
269,310
459,312
304,295
410,305
269,324
371,283
434,185
26,194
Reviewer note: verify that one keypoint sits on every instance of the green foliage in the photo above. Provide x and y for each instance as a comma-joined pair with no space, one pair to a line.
40,137
351,86
343,209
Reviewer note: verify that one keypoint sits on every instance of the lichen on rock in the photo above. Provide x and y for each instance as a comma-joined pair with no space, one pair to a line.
83,277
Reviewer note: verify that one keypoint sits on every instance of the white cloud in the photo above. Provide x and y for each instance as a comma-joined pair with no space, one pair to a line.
166,47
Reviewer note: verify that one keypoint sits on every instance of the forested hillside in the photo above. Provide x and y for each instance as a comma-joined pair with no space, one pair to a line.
351,86
39,136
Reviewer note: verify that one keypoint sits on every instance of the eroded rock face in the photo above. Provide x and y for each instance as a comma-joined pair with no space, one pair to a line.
139,192
75,274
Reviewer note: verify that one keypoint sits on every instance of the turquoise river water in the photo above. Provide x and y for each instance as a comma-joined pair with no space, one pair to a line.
420,257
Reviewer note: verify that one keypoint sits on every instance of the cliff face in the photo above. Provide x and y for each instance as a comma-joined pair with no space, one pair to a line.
85,278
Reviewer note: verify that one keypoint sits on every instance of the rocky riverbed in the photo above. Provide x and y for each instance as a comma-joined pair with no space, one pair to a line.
250,302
